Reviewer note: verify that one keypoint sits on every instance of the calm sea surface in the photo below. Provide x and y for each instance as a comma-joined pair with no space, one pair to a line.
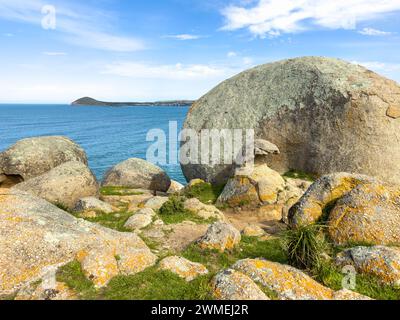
108,135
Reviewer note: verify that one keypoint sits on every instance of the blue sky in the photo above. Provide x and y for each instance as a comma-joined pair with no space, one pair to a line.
120,50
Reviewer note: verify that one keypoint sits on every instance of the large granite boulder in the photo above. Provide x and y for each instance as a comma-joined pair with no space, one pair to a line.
325,115
32,157
137,173
64,185
37,237
356,209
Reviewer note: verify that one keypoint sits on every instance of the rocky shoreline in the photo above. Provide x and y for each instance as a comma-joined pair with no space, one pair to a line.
266,234
86,101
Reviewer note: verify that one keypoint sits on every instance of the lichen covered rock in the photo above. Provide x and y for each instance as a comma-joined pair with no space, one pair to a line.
35,236
233,285
220,236
202,210
92,203
137,173
64,185
253,230
184,268
380,261
32,157
138,221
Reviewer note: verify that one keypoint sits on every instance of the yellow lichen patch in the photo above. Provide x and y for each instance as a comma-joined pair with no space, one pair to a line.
183,268
134,261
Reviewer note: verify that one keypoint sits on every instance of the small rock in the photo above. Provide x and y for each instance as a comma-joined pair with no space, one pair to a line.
60,291
264,147
220,236
234,285
175,187
184,268
253,230
393,112
138,221
380,261
92,203
88,214
155,203
202,210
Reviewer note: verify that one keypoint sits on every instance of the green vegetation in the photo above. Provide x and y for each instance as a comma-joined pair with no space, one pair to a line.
294,174
173,211
205,192
62,206
305,246
114,221
119,191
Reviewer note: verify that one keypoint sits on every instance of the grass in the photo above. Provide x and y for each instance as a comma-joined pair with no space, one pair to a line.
114,221
205,192
295,174
305,246
119,191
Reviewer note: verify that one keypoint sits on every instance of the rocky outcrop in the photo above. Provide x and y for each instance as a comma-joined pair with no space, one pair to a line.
63,185
137,173
92,203
233,285
154,203
138,221
380,261
32,157
253,230
184,268
36,237
220,236
175,187
356,208
325,115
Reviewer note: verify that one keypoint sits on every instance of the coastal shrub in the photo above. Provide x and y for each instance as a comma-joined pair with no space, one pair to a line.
305,247
205,192
174,206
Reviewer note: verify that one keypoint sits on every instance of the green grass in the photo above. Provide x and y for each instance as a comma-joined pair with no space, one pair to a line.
119,191
114,221
205,192
294,174
73,276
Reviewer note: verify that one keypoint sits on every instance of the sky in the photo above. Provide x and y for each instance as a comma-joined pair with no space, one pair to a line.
56,51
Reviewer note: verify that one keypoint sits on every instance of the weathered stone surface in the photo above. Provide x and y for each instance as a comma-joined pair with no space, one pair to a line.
253,230
264,147
393,112
293,191
175,187
220,236
325,115
65,184
138,221
60,291
380,261
92,203
261,186
184,268
35,236
32,157
155,203
345,294
363,209
203,210
233,285
286,282
137,173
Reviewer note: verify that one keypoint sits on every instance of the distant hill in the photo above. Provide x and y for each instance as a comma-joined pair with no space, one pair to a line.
87,101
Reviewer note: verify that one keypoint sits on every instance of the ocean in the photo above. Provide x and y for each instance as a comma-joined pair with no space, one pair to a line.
108,135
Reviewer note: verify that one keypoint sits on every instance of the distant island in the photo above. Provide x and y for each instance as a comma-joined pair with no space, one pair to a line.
86,101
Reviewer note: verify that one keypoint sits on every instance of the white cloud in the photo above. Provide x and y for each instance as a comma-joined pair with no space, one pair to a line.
169,72
231,54
54,53
184,37
78,24
379,66
274,17
373,32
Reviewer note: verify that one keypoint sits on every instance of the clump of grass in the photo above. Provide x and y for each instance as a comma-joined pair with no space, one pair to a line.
295,174
62,206
114,221
153,284
305,247
205,192
72,275
119,191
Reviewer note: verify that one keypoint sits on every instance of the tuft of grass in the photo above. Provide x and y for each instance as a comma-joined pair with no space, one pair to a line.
173,211
119,191
114,221
72,275
62,206
295,174
154,284
205,192
305,247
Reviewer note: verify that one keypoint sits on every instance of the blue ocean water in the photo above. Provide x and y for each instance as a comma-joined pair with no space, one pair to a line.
108,135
